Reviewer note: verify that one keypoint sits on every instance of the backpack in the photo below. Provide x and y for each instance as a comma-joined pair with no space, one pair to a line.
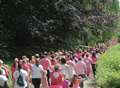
20,80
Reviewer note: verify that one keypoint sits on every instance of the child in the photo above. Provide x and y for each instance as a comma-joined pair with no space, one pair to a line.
76,81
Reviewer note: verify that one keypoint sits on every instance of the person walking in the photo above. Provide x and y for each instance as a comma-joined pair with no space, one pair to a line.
81,69
3,80
94,60
56,78
21,78
44,80
36,73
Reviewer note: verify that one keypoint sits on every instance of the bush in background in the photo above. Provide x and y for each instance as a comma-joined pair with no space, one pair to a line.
108,69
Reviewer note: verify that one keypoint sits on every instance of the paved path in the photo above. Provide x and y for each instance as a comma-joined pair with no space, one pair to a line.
90,83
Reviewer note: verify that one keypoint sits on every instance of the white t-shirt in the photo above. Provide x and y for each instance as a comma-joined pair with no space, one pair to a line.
71,71
3,71
65,70
3,79
36,71
24,75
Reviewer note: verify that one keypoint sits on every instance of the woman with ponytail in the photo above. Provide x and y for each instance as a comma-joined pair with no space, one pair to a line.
24,77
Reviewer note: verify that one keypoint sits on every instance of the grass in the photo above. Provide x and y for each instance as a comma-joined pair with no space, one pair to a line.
9,63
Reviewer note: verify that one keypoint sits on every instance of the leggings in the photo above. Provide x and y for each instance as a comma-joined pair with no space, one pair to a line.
36,82
94,69
48,76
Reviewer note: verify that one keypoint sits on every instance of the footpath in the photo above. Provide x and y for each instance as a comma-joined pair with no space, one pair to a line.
90,83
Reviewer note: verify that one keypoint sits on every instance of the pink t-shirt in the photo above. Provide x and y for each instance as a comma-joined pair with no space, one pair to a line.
56,86
56,78
70,62
45,62
13,69
94,60
80,68
78,55
88,62
29,65
53,62
26,67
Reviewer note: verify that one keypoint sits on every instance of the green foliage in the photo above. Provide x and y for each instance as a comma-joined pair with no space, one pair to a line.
113,5
52,24
118,30
108,70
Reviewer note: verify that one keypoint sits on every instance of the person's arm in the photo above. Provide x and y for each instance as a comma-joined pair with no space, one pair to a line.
30,74
15,75
41,67
85,68
27,78
49,63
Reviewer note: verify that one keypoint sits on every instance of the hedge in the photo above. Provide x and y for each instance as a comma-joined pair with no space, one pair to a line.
108,68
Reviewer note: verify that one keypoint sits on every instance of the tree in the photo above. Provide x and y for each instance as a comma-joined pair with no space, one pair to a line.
57,23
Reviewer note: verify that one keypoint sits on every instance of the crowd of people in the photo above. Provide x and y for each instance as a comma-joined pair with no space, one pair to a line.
53,69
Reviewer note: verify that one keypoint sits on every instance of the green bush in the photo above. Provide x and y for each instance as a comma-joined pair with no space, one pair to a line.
108,69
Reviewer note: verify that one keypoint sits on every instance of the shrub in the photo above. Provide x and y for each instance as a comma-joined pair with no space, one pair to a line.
108,69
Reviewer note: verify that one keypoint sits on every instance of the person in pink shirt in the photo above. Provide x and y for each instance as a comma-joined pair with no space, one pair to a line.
56,78
6,68
55,86
25,65
46,63
88,62
28,63
53,61
14,65
78,54
81,69
44,81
